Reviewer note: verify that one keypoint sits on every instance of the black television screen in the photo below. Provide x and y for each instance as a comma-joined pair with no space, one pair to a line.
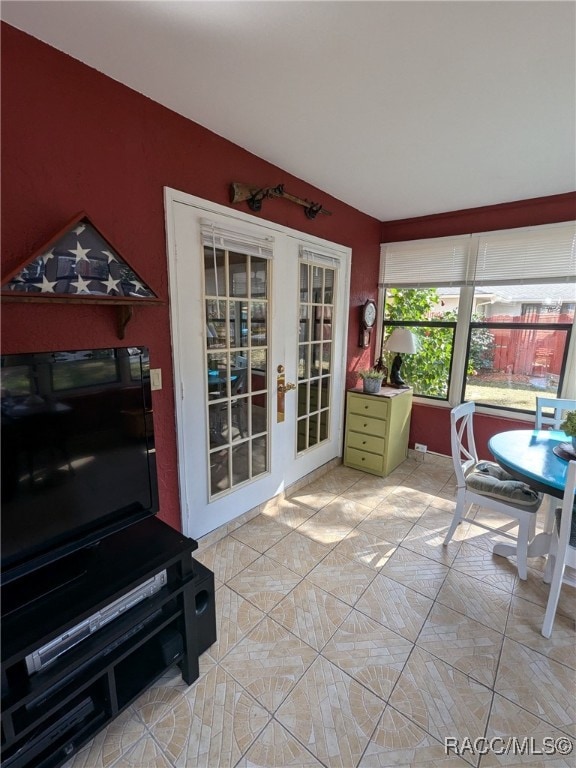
78,460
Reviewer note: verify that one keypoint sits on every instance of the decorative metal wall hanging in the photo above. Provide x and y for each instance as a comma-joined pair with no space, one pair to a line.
254,196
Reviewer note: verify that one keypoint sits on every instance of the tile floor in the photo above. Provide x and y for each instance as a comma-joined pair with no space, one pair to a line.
349,636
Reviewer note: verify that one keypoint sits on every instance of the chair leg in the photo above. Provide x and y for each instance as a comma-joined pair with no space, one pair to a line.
457,519
550,503
522,547
553,598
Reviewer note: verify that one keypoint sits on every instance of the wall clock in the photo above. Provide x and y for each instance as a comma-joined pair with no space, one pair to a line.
367,321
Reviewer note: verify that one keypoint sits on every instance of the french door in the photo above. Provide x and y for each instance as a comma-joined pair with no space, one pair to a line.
259,321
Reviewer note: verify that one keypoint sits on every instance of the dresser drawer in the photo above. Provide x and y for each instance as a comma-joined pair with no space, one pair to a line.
368,406
365,442
371,462
366,425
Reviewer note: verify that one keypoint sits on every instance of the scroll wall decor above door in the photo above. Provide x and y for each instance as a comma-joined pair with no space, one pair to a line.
78,265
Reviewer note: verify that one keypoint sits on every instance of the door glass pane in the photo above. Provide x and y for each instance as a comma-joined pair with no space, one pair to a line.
258,277
236,367
316,316
238,278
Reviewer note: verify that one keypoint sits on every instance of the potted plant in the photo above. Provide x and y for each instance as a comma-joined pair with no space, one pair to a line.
371,380
569,426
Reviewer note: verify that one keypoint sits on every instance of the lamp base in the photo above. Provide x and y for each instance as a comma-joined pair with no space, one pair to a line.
395,379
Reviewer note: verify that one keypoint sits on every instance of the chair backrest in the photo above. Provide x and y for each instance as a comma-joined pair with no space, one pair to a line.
238,385
462,442
559,407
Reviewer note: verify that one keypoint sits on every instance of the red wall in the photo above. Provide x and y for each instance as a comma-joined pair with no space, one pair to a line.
76,140
431,424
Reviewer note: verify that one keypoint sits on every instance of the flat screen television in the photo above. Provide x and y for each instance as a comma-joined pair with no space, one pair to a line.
78,459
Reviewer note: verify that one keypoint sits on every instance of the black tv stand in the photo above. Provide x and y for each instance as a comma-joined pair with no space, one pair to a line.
48,715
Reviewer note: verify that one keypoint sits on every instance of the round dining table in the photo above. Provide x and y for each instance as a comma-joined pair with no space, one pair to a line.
529,455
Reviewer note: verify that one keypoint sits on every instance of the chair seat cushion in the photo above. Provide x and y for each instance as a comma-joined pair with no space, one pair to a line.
488,479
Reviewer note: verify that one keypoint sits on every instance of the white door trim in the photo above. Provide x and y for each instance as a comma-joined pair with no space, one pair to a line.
172,197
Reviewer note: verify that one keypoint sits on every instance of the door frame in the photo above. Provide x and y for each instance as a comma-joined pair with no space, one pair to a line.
178,341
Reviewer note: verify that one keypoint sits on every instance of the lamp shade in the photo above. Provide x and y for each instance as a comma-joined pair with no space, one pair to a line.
401,340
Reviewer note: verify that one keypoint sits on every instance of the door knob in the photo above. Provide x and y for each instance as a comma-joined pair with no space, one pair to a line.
282,388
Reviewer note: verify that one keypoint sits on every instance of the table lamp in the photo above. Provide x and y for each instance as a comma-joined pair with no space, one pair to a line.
400,340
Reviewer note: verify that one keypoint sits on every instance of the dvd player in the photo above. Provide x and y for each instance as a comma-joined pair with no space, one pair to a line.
48,653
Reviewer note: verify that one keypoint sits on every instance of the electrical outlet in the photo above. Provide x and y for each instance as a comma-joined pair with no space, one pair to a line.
155,378
420,447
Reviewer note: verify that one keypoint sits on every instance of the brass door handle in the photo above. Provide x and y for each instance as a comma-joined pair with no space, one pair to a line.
282,388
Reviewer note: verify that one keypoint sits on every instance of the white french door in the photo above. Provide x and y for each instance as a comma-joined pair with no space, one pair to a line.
259,322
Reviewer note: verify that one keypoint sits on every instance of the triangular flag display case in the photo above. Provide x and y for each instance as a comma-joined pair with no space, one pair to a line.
77,265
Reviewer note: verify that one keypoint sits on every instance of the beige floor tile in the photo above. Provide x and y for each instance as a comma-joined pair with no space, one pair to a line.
507,722
525,626
227,557
276,748
342,577
161,697
343,510
436,519
325,528
462,642
395,506
144,754
116,739
299,553
235,617
395,606
311,613
289,512
337,480
536,591
366,495
431,544
427,483
380,524
476,599
331,714
538,684
417,495
482,564
268,662
440,699
416,571
400,743
214,724
367,549
370,653
261,533
312,496
264,582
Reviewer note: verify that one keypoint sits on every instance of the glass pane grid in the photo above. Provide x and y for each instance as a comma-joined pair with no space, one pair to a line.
236,300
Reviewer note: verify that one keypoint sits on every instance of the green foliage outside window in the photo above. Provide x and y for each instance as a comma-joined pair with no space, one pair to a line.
428,371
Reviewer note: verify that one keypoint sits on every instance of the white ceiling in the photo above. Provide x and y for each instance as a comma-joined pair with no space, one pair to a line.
400,109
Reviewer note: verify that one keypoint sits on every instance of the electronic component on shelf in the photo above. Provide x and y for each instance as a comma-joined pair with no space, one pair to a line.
47,654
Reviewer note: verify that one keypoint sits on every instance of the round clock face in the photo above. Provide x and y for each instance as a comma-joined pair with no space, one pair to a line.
369,314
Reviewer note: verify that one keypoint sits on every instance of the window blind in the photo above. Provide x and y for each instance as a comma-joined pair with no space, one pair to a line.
442,261
317,256
535,255
238,241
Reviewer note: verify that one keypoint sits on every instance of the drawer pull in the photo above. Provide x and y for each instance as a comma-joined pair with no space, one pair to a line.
365,425
363,442
363,458
365,407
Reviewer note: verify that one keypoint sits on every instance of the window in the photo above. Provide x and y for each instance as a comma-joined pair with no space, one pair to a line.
493,314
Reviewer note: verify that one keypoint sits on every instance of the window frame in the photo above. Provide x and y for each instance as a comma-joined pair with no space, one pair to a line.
464,324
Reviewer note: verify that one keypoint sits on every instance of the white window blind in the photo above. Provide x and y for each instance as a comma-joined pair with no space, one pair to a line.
442,261
535,255
320,257
545,254
236,240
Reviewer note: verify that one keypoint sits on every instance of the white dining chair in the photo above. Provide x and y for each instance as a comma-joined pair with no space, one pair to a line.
487,484
562,548
545,420
559,408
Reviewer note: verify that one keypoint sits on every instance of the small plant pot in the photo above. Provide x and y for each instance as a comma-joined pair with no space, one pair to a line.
371,386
